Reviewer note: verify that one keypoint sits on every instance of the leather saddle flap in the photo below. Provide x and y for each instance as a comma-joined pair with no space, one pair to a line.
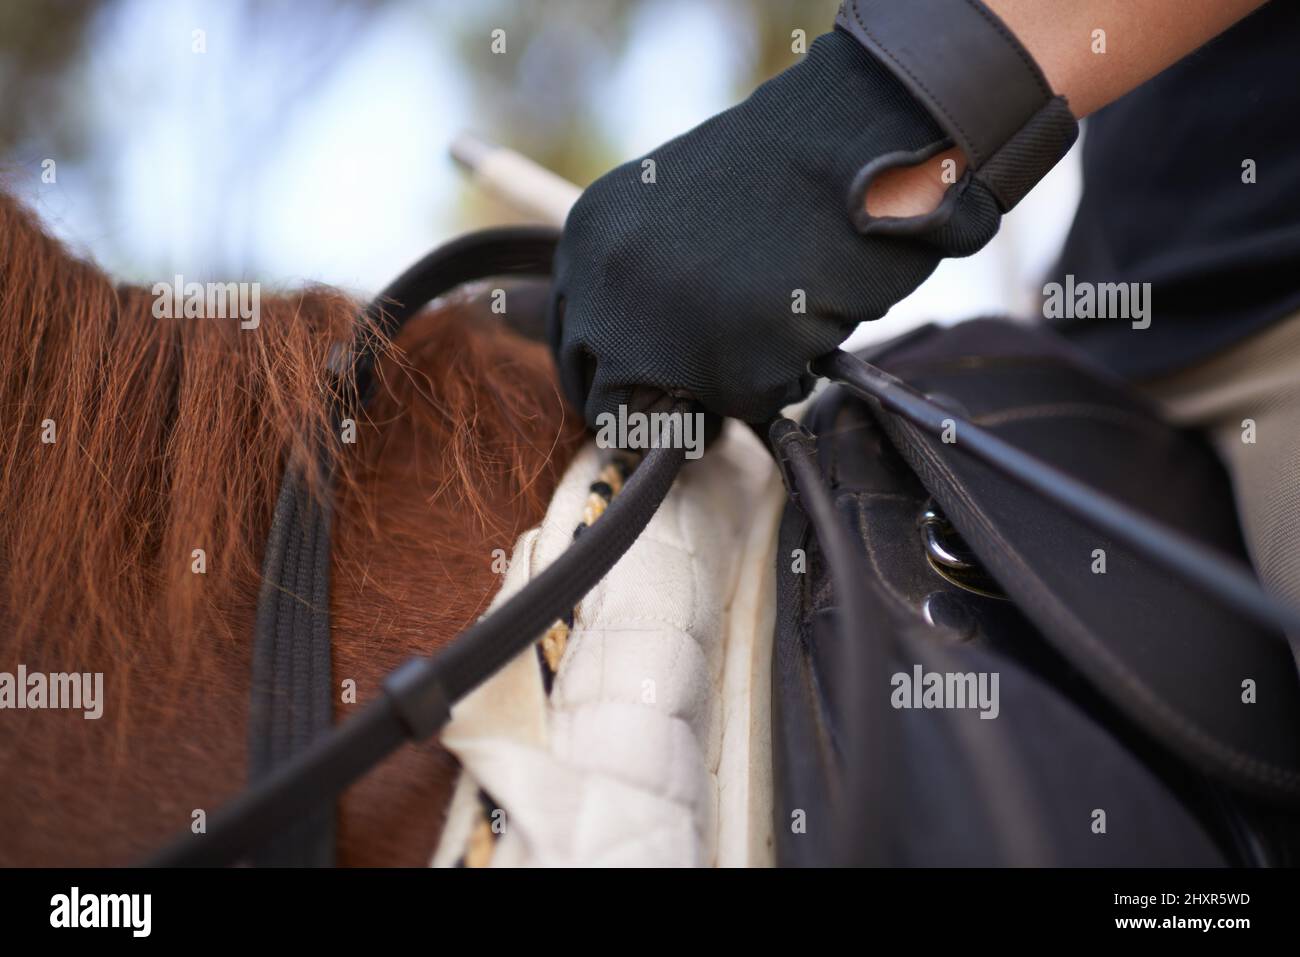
1219,691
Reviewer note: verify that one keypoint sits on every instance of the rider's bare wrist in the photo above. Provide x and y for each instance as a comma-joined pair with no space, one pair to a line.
915,190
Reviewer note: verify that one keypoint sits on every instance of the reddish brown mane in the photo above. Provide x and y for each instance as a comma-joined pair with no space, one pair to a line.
171,436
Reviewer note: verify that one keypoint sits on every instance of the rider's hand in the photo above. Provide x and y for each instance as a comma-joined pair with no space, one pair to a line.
725,261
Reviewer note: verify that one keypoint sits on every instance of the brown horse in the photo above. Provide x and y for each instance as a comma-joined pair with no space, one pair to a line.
138,474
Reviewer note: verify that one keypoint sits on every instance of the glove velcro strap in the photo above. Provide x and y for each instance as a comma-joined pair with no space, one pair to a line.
977,81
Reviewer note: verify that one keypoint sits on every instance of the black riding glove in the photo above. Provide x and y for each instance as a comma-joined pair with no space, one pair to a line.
743,252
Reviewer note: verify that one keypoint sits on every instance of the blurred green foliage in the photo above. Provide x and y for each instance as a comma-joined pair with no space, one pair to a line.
40,47
544,90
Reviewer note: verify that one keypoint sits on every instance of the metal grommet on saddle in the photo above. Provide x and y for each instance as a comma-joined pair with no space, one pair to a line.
951,557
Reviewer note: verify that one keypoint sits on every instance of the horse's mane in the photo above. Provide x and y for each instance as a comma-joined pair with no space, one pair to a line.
171,435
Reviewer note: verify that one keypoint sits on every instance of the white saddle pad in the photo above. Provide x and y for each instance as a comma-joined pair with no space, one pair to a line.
653,746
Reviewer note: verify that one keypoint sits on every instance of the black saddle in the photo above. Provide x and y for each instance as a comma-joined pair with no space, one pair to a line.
1138,720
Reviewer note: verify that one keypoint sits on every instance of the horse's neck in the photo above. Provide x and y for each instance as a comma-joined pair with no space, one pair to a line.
170,441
